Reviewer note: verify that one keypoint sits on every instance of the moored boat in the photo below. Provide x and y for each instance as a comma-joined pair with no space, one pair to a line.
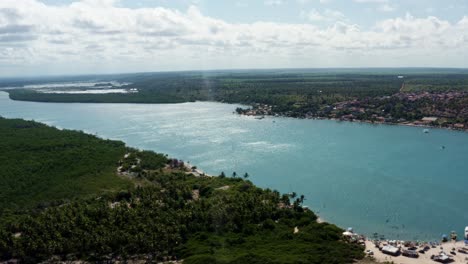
442,258
453,235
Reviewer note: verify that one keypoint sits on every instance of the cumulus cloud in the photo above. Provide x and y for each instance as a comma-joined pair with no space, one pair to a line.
327,15
386,8
383,5
273,2
87,35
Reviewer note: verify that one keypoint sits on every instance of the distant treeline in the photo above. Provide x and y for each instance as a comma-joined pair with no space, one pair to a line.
281,89
293,93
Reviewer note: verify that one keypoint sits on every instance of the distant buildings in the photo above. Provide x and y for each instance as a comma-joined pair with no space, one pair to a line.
443,109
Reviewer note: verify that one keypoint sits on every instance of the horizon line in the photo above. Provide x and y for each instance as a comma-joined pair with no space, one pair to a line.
52,75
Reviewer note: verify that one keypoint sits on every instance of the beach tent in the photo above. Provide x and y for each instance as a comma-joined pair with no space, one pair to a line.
391,250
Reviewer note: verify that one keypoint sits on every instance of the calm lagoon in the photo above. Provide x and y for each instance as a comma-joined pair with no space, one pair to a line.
393,180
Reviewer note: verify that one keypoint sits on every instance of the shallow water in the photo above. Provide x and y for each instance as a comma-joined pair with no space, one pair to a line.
393,180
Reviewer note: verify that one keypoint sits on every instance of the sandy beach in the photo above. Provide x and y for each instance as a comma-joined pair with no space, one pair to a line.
423,258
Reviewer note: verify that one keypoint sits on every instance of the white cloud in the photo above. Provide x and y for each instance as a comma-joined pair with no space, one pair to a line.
309,1
105,37
313,15
371,1
101,3
273,2
386,8
241,4
327,15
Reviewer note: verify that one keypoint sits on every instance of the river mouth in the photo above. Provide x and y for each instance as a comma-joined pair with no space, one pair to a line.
391,180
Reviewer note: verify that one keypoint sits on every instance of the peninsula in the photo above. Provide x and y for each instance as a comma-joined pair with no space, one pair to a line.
69,196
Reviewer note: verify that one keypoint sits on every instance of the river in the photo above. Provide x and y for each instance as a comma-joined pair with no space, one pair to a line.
393,180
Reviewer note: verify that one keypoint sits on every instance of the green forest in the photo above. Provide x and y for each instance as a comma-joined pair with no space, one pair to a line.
41,165
384,95
72,196
278,88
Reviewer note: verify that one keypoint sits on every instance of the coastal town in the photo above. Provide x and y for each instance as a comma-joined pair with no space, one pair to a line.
429,109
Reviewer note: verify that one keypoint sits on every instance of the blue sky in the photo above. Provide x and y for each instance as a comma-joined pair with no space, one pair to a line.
102,36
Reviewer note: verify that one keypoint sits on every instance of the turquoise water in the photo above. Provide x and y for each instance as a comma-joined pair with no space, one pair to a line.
393,180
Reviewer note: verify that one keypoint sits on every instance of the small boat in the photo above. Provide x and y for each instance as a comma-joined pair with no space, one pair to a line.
466,233
442,258
426,131
444,238
453,235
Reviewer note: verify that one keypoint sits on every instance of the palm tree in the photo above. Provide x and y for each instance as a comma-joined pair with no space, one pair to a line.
246,175
293,195
234,174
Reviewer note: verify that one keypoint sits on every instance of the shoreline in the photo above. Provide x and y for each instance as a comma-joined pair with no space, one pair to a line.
409,124
320,219
257,115
197,172
397,124
361,121
425,252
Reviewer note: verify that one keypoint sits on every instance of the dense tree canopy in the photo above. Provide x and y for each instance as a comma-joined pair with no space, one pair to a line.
41,164
166,214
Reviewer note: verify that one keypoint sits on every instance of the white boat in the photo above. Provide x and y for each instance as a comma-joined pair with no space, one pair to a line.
466,233
426,130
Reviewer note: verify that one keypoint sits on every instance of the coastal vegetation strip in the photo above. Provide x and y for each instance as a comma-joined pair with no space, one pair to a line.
403,96
169,215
